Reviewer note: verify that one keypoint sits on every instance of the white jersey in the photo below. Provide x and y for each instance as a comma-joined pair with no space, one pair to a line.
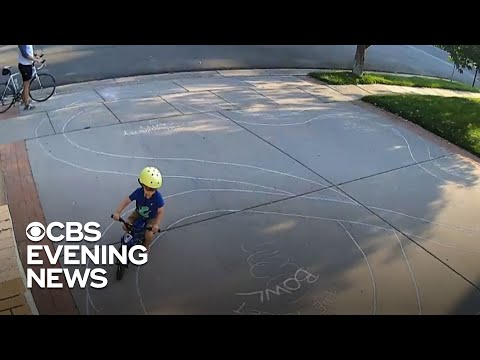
23,60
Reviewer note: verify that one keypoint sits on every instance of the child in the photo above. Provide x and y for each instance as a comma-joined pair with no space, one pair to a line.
149,203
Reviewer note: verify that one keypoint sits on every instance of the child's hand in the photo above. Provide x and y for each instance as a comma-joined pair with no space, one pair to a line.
155,229
116,216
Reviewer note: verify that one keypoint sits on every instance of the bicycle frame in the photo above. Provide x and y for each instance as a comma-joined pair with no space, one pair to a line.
137,232
12,79
15,85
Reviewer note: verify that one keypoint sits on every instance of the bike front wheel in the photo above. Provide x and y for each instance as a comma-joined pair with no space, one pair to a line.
120,267
120,271
7,97
42,87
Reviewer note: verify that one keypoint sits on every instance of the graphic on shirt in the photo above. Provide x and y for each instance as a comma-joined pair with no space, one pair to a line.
144,211
146,208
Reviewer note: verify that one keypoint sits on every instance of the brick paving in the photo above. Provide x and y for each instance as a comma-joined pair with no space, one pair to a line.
24,205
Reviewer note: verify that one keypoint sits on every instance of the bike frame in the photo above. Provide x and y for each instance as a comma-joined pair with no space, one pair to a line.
137,232
12,79
15,85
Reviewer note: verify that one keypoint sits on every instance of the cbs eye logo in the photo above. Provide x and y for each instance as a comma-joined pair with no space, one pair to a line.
37,231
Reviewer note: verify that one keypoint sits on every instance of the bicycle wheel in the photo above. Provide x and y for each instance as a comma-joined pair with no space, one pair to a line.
7,97
120,266
120,271
42,87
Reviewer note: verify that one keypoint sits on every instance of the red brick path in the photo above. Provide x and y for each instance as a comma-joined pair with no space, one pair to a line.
25,207
13,111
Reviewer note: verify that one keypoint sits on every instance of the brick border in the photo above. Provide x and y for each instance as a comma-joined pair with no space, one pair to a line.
24,203
14,111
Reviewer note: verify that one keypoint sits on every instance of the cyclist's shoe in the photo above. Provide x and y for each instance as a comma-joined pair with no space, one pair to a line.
29,107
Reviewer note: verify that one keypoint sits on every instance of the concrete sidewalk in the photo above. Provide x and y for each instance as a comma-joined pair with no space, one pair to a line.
275,87
283,195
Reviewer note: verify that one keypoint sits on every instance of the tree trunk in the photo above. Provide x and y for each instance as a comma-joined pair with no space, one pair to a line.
359,60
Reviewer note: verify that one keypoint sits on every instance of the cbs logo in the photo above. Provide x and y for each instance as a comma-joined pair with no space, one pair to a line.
75,231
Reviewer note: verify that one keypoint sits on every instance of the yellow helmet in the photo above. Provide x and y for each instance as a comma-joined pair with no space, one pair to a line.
151,177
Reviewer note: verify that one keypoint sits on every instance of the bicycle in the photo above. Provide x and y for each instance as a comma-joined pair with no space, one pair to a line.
135,235
11,91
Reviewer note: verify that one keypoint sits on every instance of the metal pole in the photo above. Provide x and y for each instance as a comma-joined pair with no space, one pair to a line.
475,77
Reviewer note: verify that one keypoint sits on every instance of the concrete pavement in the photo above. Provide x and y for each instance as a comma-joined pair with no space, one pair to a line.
283,195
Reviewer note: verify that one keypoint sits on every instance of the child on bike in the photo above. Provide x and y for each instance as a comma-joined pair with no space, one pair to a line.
149,203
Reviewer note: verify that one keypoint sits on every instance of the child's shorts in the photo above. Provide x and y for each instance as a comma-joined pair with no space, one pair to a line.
135,215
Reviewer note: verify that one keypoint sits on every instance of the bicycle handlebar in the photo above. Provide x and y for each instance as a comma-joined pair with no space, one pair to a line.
130,225
42,64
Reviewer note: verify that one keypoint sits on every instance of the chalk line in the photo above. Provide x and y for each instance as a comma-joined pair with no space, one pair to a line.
435,162
421,166
368,265
195,160
444,245
237,210
411,274
296,123
36,131
325,199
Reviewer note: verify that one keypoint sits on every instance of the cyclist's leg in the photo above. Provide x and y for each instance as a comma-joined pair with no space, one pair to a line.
149,234
26,71
131,219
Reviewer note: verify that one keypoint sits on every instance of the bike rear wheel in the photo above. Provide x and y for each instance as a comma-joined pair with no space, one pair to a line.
120,267
42,87
7,97
120,271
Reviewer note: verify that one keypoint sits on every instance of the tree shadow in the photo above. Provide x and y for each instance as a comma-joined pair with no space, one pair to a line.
469,304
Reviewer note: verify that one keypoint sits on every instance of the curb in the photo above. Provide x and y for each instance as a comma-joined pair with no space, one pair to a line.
205,74
138,79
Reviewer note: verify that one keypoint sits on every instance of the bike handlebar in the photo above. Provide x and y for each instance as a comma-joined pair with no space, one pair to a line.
42,64
41,56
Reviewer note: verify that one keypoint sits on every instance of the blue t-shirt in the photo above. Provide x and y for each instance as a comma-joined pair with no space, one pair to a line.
147,208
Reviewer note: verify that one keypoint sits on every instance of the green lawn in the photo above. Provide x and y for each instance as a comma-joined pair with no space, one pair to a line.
454,119
346,78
